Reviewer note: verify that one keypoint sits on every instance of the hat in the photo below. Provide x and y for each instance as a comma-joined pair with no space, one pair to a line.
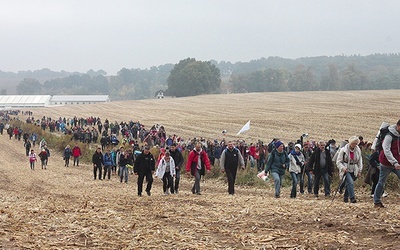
297,146
278,143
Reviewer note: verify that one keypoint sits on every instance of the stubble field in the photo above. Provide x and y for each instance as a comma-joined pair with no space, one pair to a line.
64,208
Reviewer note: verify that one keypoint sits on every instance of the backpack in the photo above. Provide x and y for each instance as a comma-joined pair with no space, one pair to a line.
383,131
271,146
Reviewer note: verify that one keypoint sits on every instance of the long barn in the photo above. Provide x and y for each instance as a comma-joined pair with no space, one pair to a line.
27,101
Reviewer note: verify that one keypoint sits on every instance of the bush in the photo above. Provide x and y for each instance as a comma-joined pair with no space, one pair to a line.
248,177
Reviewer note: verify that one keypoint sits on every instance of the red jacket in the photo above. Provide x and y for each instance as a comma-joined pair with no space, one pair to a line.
191,165
395,149
252,150
76,151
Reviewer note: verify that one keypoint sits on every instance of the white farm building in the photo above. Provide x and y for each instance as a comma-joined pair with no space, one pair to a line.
77,99
23,101
27,101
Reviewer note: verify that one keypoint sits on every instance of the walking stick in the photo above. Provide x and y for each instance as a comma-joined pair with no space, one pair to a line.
337,190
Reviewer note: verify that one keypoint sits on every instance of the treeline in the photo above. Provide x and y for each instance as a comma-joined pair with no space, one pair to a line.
128,84
377,71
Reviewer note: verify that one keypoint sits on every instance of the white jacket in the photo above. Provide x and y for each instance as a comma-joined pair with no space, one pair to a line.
162,165
343,161
293,167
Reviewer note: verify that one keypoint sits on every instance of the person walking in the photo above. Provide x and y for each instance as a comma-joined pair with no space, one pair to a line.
97,160
321,166
305,171
297,160
43,158
389,158
144,167
231,158
178,160
197,164
32,159
277,163
166,171
67,155
108,162
122,159
349,162
27,145
76,153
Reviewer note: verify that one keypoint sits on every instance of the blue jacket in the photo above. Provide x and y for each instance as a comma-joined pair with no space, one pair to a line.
107,160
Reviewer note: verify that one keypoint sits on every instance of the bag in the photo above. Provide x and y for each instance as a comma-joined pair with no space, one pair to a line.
271,146
264,176
370,173
379,139
383,131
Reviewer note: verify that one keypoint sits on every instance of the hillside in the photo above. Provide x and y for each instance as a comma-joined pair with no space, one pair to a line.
64,208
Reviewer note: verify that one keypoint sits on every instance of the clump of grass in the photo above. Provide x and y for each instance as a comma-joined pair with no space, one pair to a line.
248,177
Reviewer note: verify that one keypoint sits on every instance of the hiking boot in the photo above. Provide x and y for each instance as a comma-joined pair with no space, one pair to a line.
379,205
346,199
353,200
148,193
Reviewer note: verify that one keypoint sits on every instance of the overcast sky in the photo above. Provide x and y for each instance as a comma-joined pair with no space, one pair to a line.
80,35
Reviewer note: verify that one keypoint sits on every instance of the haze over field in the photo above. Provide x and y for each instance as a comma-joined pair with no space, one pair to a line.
110,35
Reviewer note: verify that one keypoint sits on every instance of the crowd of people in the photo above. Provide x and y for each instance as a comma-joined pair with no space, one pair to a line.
314,161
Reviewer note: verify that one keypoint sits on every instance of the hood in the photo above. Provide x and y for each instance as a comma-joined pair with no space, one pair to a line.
393,130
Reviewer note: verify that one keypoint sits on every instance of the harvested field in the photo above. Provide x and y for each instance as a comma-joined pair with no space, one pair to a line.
64,208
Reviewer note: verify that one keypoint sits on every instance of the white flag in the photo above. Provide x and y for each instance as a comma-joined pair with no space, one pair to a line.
245,128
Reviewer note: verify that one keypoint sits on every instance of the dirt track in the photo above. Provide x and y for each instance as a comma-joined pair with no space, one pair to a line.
64,208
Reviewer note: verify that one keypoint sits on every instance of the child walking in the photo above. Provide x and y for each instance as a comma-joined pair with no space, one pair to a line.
32,159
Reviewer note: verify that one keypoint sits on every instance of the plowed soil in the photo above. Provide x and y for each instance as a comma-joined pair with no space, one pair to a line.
64,208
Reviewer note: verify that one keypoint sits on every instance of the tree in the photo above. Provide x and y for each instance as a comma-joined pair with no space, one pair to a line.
353,79
29,86
302,79
190,77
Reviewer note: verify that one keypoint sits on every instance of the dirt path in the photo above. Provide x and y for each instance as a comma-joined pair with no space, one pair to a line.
64,208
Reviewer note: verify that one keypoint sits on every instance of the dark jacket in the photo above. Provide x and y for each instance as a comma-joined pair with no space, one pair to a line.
43,155
277,162
314,163
67,152
97,158
374,159
178,159
144,164
123,159
231,159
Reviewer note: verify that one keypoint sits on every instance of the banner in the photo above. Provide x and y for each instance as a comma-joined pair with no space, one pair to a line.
245,128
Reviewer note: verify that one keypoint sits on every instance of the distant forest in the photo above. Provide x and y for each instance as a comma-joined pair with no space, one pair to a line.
272,74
